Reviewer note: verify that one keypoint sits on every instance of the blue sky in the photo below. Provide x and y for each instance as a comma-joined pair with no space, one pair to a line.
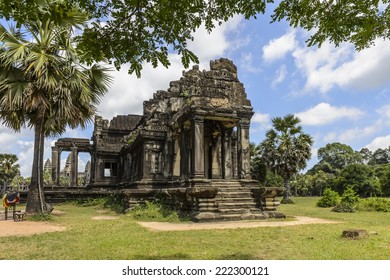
340,95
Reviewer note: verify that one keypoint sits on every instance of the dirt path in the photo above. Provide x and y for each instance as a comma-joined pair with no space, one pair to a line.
156,226
11,228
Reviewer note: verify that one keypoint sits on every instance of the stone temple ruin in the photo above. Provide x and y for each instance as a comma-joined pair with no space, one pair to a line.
190,146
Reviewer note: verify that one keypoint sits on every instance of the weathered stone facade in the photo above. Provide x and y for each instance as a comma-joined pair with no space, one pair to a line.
192,143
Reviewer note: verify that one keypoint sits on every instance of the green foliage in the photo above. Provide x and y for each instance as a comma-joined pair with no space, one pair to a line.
19,181
286,148
152,211
43,83
135,32
383,173
92,202
334,157
64,181
40,217
348,203
260,171
379,157
116,203
329,198
8,168
359,22
374,204
361,178
350,197
287,201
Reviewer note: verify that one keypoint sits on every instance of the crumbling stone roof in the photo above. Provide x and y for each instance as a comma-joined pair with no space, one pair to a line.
124,122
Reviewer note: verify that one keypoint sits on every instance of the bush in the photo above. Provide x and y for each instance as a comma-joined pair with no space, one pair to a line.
329,198
374,205
287,201
350,197
117,203
348,202
91,202
40,217
152,211
344,208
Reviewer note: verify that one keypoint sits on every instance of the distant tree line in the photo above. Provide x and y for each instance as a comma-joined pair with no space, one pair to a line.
339,167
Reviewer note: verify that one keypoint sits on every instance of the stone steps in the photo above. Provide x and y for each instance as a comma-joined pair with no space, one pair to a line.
244,216
235,201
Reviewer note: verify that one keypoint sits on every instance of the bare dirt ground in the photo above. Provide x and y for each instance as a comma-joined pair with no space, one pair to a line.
11,228
157,226
102,217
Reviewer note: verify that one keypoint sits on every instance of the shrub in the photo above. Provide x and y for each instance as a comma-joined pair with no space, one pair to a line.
329,198
40,217
348,202
349,197
116,202
152,211
374,205
91,202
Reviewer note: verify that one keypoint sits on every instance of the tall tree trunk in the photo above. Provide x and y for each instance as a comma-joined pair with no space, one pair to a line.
286,196
287,190
35,199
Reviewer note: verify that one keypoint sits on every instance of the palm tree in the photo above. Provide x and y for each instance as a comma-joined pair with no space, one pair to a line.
8,169
286,149
43,85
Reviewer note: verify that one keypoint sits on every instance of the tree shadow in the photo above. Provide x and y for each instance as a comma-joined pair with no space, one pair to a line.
164,257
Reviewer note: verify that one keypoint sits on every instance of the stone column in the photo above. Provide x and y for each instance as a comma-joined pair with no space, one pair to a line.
55,167
74,167
198,147
93,167
243,150
184,151
217,158
227,148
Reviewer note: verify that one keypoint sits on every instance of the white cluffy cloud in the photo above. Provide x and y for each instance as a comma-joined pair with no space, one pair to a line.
379,142
279,47
324,113
326,67
261,121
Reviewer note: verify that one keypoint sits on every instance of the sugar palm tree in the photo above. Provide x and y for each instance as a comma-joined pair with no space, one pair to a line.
43,85
286,149
8,169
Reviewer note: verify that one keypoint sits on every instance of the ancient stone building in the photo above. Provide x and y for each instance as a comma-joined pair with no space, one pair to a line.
190,144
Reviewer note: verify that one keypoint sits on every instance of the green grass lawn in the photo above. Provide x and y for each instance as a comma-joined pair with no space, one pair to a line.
125,239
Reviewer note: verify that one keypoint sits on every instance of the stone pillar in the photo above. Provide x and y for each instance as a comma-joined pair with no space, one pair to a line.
184,151
176,158
147,161
56,165
227,148
198,147
93,167
217,159
74,167
243,150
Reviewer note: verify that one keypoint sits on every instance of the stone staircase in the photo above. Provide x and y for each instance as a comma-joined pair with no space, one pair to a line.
235,202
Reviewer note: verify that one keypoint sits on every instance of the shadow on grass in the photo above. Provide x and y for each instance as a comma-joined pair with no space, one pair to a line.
164,257
238,256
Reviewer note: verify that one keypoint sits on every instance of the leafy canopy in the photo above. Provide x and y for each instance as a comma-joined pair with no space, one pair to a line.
8,167
41,76
137,31
286,148
359,22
